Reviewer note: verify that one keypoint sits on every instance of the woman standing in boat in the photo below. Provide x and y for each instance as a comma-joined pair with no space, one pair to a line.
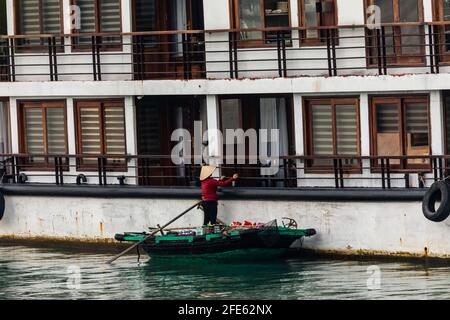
209,192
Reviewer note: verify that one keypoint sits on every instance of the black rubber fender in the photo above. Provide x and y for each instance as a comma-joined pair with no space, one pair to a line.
2,205
81,178
439,191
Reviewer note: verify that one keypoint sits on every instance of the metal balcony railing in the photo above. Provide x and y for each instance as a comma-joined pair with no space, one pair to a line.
292,171
224,54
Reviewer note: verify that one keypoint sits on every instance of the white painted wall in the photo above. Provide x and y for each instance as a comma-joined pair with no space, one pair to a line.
215,14
437,122
10,13
14,125
345,227
298,125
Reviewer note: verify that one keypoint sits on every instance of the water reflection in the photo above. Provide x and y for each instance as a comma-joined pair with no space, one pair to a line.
28,273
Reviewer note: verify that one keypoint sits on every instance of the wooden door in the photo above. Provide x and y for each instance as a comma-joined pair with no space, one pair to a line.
151,52
164,56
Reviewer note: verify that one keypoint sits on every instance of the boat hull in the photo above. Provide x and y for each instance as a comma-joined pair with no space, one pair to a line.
272,241
229,256
266,240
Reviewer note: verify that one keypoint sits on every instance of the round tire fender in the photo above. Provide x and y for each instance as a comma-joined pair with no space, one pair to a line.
439,191
2,206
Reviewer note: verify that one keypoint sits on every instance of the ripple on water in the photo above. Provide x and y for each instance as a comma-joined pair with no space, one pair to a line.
29,273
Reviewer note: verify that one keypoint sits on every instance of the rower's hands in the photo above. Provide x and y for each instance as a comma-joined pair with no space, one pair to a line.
235,176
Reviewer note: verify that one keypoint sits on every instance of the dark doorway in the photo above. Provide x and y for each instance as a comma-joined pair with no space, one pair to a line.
169,56
157,118
258,112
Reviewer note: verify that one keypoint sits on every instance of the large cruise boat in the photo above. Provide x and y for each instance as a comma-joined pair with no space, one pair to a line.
108,109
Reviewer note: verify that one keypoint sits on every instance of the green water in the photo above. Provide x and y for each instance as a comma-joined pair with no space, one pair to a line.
28,273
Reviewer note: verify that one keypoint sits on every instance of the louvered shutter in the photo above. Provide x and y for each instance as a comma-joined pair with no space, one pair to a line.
416,118
347,132
110,19
51,17
417,131
87,11
334,129
39,16
114,124
29,18
56,133
44,128
110,15
387,118
34,129
87,20
322,132
102,130
90,131
28,22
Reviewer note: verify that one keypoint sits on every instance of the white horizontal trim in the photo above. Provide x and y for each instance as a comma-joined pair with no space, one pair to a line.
304,86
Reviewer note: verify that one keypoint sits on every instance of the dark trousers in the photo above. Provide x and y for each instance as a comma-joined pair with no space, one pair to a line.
210,210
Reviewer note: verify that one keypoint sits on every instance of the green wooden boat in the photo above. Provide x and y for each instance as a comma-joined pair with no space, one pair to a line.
225,242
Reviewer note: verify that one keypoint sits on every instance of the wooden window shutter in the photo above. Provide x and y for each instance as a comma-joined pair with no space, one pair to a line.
88,15
44,129
114,128
90,133
34,130
110,20
56,131
51,17
110,16
29,18
322,133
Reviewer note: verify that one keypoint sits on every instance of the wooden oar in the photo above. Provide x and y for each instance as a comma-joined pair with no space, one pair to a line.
152,234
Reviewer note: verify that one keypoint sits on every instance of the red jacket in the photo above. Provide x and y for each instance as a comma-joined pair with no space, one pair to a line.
209,188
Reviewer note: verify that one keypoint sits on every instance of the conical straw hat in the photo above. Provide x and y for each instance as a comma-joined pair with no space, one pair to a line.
206,172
